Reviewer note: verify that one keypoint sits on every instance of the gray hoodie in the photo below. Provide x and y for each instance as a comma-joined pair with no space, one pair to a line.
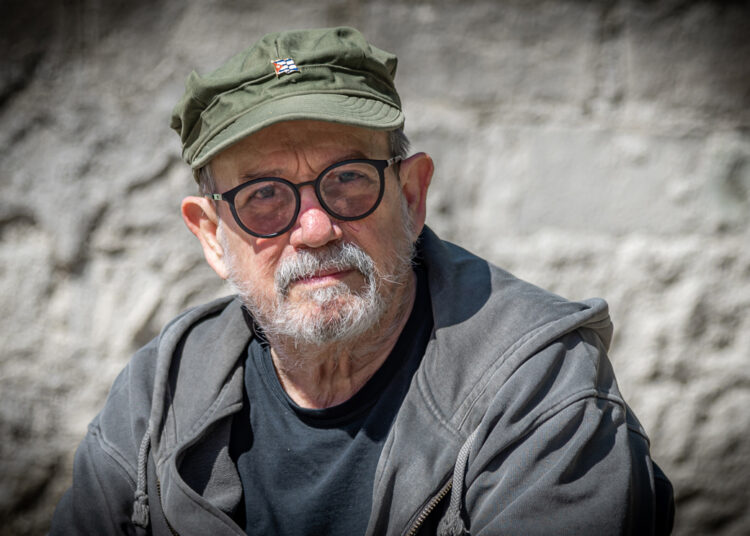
513,424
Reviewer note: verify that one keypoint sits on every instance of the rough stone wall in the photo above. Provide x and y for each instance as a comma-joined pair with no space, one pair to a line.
594,148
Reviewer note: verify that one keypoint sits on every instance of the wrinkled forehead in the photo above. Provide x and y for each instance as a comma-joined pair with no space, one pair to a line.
296,147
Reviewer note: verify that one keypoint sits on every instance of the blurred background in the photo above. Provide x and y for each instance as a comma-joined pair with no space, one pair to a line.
592,148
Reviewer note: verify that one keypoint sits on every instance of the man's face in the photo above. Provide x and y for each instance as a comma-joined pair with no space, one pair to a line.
325,279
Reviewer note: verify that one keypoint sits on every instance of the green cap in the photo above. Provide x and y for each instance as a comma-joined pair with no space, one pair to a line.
328,74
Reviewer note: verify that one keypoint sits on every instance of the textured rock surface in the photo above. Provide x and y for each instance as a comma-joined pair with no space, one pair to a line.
592,148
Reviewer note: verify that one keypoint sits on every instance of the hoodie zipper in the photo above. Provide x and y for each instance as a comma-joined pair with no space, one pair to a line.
427,510
158,492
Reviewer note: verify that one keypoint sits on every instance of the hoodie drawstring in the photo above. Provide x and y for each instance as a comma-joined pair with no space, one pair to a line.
140,505
452,523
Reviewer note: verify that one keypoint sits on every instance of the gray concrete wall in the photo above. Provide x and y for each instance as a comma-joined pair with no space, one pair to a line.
594,148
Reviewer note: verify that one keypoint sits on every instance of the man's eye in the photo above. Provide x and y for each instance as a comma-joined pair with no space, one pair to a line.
350,176
264,192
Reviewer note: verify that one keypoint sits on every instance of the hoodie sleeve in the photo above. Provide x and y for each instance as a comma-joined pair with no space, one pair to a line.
559,452
100,499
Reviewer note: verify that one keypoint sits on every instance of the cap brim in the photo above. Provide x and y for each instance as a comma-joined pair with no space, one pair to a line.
335,108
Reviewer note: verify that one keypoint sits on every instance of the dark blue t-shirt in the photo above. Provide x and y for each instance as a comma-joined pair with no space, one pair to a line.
311,471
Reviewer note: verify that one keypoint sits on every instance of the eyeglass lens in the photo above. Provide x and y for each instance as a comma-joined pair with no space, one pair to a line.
347,191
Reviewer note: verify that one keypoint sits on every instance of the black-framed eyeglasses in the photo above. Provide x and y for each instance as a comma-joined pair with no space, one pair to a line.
269,206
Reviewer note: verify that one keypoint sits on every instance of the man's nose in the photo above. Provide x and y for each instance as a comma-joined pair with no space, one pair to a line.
314,227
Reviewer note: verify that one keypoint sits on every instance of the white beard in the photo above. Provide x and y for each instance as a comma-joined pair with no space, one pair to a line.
334,313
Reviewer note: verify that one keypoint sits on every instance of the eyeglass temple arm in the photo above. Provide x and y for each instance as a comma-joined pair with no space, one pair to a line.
215,197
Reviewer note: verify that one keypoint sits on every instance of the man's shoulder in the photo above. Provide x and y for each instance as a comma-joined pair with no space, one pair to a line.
474,294
191,327
493,331
215,329
192,323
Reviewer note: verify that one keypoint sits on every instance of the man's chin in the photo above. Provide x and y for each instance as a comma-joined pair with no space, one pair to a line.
328,310
314,321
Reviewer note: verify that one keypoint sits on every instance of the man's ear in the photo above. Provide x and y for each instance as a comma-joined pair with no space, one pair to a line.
416,173
199,214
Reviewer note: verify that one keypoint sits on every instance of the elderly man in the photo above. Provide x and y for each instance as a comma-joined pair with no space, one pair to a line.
367,378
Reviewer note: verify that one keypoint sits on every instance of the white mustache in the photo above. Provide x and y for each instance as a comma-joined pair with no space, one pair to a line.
307,263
